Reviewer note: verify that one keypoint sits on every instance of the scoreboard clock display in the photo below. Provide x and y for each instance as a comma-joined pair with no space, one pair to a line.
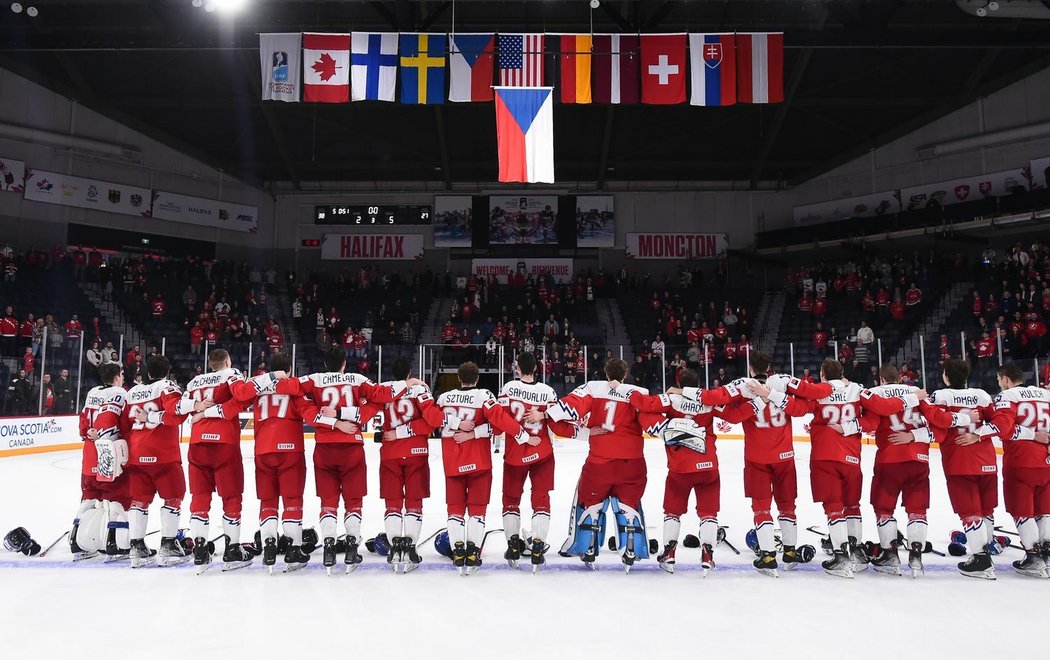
372,214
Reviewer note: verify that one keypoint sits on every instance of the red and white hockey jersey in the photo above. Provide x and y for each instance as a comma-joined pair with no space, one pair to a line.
682,460
1017,414
518,398
220,423
412,417
155,441
351,395
595,404
978,458
480,407
102,412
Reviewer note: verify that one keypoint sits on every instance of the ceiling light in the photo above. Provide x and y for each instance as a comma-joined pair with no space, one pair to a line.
197,3
209,7
993,6
16,7
229,6
31,12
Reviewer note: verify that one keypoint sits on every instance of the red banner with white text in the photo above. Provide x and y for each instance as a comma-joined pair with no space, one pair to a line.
676,246
369,247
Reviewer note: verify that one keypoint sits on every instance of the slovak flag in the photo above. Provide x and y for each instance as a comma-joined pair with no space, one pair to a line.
470,67
712,69
326,68
525,134
760,67
663,68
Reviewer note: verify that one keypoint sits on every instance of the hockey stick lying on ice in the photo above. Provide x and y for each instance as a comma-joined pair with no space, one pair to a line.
54,543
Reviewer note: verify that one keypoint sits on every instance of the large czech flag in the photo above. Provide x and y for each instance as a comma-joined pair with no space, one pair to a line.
525,134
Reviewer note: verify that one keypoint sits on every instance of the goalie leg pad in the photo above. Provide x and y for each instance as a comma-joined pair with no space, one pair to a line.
91,530
589,529
631,526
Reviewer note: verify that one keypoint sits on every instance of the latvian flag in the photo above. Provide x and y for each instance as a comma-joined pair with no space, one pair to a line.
570,70
326,68
712,69
616,68
520,60
470,67
760,67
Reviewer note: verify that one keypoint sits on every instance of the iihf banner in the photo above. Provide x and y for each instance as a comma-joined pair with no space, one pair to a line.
205,212
66,190
12,175
559,269
371,247
676,246
279,57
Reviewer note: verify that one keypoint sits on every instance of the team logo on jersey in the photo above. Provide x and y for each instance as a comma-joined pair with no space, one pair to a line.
419,450
468,467
806,427
147,459
723,426
853,459
531,458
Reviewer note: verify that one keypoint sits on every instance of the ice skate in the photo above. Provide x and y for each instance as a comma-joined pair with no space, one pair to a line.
628,558
791,558
269,554
766,564
472,560
410,557
888,562
915,559
666,558
707,559
201,554
171,552
235,556
979,565
141,555
295,559
1032,565
840,564
537,554
858,556
395,556
328,554
459,557
515,546
353,558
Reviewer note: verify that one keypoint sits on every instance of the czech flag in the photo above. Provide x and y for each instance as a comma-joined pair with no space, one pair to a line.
525,134
712,69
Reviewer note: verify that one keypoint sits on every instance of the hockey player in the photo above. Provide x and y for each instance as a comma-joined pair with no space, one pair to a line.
902,469
279,409
155,462
691,466
404,466
970,465
769,456
615,465
472,415
347,403
104,487
526,400
1021,421
215,459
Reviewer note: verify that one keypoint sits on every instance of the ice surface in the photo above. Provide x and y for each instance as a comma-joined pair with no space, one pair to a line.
91,608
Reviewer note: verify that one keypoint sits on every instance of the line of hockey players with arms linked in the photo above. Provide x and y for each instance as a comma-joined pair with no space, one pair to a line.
132,454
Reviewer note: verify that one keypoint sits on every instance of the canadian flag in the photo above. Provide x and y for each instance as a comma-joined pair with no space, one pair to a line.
326,68
663,68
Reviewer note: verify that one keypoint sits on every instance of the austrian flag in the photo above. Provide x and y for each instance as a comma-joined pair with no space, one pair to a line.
326,68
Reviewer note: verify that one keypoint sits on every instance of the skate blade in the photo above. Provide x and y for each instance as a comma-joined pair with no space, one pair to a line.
409,567
848,574
590,565
142,563
790,566
350,568
291,568
704,572
165,562
269,569
888,570
915,573
983,575
859,568
535,568
1040,574
234,565
770,572
201,568
328,570
84,556
667,568
513,563
112,559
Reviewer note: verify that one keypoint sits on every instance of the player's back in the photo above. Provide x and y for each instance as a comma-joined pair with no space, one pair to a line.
152,441
216,386
400,414
278,423
1030,409
102,408
519,398
840,407
978,458
475,454
335,390
611,410
768,431
682,459
908,420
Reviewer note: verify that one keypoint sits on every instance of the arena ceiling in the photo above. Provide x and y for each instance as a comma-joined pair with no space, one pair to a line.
857,74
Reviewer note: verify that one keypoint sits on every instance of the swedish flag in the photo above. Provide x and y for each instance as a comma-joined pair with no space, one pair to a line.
423,58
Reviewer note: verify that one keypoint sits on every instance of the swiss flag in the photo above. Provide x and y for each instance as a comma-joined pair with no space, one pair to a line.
663,68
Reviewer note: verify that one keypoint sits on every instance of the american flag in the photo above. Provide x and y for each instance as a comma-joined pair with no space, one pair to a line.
520,60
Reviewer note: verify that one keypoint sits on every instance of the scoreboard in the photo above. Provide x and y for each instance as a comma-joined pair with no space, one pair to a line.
372,214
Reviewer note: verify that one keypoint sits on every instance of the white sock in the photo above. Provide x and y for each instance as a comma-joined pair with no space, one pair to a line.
352,523
413,526
169,521
975,537
327,525
1044,527
839,533
511,524
855,527
672,527
294,530
541,526
393,523
917,531
708,532
788,531
268,528
1028,530
989,530
475,529
232,529
766,540
199,528
137,523
457,531
887,533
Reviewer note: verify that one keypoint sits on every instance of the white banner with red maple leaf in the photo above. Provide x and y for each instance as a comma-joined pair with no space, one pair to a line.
326,68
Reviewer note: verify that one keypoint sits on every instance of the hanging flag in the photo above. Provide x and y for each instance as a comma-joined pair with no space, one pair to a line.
373,66
470,67
760,67
326,68
663,68
712,69
569,69
422,68
525,134
520,60
616,68
279,56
